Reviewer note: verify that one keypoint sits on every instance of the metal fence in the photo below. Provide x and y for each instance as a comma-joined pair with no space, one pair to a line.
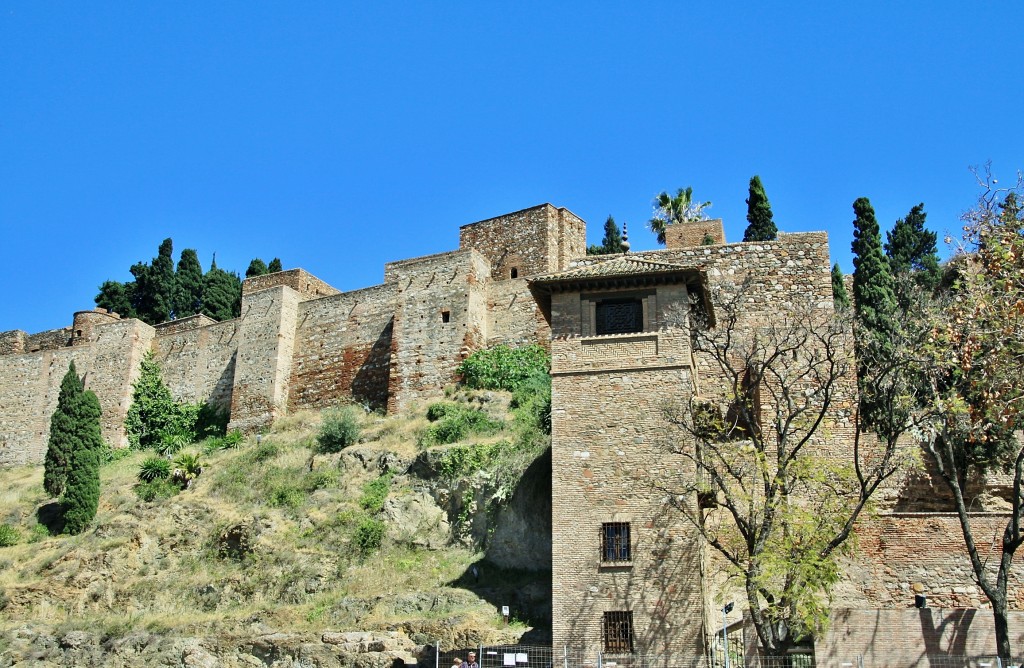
542,656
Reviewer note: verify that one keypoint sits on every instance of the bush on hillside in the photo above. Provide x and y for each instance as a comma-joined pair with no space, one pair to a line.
503,367
339,430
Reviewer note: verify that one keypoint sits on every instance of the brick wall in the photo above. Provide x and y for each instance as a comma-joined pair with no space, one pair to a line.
513,316
197,358
264,360
532,241
692,233
909,637
440,319
299,280
343,349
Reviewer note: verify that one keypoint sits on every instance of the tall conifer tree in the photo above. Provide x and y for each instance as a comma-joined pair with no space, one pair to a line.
839,296
188,285
874,303
57,463
274,266
222,293
911,249
82,493
873,296
760,226
256,268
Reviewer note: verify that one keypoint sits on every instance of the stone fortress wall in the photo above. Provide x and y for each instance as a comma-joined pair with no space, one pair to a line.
299,343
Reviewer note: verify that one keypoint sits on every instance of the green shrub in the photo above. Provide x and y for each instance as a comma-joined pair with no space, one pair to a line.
339,430
502,367
109,454
230,440
37,533
320,479
158,489
375,492
154,468
187,467
531,402
457,423
9,535
287,495
212,420
464,460
441,409
369,535
265,451
155,419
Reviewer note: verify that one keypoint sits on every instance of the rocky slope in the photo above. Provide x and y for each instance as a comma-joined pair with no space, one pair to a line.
269,558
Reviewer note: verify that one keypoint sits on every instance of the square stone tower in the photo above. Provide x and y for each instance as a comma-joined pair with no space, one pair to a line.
626,568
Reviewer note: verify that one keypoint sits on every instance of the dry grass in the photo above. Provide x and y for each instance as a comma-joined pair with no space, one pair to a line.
155,566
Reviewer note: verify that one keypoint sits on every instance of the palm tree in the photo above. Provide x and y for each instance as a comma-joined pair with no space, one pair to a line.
670,210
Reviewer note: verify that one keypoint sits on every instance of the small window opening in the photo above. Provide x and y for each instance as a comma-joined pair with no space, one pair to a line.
446,315
619,316
514,273
78,333
615,542
618,631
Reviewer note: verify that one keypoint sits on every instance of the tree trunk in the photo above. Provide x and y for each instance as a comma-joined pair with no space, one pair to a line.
1002,632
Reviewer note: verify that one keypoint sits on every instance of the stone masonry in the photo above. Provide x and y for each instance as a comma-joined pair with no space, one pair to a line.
521,278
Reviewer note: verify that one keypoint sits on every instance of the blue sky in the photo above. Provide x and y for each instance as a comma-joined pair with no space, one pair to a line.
339,136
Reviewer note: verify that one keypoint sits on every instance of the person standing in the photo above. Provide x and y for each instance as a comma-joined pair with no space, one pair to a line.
471,661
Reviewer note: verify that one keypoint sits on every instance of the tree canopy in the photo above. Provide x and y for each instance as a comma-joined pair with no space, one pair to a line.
159,293
760,226
612,241
669,210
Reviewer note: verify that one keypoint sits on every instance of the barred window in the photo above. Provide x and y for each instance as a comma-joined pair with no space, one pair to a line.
615,541
618,631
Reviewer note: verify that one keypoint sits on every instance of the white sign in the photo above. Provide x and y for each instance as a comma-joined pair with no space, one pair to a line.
504,611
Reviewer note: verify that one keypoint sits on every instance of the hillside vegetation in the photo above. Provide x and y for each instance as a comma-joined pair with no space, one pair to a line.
276,547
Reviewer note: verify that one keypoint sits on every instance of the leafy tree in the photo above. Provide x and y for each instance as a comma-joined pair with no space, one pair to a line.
274,266
974,368
154,414
63,434
256,268
839,296
759,214
81,497
118,298
222,293
188,285
911,249
670,210
761,492
612,241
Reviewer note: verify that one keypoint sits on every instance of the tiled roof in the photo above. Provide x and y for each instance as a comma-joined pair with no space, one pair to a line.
618,271
621,265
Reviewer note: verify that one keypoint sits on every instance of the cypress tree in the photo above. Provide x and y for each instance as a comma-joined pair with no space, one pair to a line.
874,303
117,297
274,266
82,494
62,434
759,214
911,249
256,268
222,293
188,285
873,296
839,296
154,286
612,242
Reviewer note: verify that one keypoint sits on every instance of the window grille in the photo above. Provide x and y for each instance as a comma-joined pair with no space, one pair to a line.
620,316
615,542
618,631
